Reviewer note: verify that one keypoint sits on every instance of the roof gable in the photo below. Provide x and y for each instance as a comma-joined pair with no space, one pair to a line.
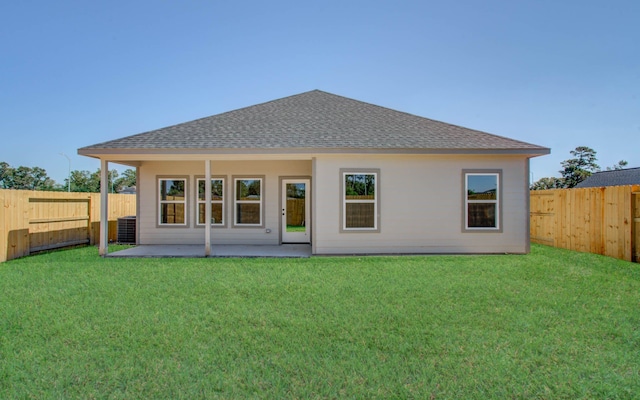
315,121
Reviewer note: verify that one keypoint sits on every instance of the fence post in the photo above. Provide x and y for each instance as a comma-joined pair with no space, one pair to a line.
635,223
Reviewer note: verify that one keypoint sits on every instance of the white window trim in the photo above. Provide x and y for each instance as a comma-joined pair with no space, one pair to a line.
161,202
375,200
236,201
198,201
497,201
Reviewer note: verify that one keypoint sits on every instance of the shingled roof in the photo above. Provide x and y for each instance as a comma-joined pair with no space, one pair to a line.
618,177
314,122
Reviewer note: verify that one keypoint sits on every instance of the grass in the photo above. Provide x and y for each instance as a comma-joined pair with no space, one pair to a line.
552,324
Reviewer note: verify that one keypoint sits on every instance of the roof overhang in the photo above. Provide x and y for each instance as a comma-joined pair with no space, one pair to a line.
287,153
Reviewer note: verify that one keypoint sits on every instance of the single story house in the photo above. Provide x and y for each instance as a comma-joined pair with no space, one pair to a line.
345,176
616,177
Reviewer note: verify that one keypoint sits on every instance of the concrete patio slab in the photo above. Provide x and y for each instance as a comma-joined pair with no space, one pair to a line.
197,251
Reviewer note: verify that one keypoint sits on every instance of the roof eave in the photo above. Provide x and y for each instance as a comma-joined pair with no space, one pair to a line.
99,152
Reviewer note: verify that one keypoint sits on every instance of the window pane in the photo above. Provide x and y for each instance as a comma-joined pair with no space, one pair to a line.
360,215
248,213
359,186
296,207
172,213
482,187
201,213
481,215
172,189
216,189
201,189
248,189
216,213
296,190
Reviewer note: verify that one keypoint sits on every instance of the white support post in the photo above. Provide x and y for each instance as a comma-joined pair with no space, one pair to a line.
207,208
104,207
138,205
314,197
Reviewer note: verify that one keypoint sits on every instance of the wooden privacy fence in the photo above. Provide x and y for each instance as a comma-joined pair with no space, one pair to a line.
32,221
603,220
296,212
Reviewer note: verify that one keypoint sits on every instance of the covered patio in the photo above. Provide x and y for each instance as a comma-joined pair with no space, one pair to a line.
198,251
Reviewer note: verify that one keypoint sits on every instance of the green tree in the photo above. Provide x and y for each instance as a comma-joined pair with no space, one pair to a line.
88,182
620,165
24,178
127,179
548,183
360,185
579,168
6,174
253,190
81,181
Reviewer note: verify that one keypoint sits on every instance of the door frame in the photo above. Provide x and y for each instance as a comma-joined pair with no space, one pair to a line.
282,206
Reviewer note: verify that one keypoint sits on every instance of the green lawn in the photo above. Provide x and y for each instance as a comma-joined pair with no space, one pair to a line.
552,324
296,228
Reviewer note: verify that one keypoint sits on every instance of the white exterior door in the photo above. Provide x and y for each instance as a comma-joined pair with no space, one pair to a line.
295,211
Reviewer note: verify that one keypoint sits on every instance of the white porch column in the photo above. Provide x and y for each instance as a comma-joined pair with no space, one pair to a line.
207,208
138,205
104,207
314,202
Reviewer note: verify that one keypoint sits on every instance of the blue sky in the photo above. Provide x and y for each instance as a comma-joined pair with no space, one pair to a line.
559,74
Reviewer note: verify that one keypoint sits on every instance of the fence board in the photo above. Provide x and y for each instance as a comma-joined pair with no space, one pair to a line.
33,220
15,214
542,219
57,221
561,221
604,220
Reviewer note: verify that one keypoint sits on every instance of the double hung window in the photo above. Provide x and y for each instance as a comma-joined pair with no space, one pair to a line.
172,201
248,201
482,200
217,201
360,200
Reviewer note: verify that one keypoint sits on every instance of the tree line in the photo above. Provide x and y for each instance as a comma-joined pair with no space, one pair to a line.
575,170
36,178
